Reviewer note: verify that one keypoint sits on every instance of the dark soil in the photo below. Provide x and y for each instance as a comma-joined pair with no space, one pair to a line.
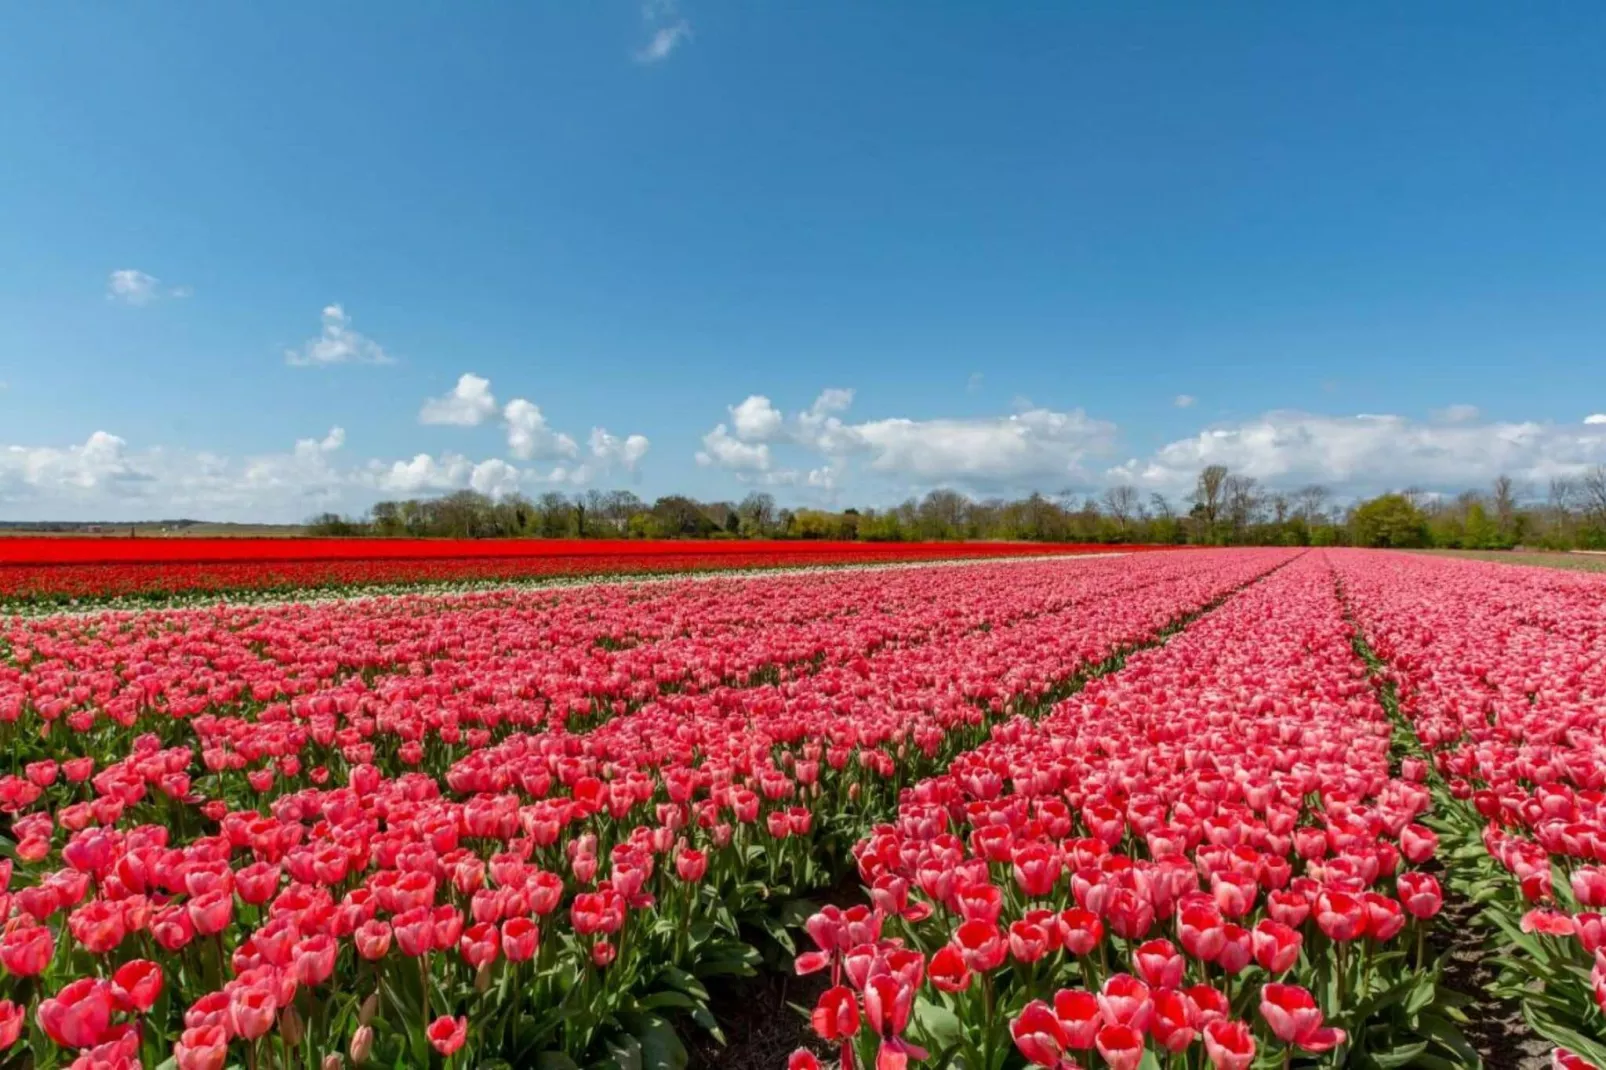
1496,1028
760,1024
760,1015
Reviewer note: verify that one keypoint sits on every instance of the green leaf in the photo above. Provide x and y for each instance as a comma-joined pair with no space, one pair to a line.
661,1049
684,981
705,1019
554,1060
624,1051
1421,996
667,998
937,1023
778,932
1405,1055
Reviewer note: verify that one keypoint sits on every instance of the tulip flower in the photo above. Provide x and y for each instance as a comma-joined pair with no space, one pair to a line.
1039,1035
446,1035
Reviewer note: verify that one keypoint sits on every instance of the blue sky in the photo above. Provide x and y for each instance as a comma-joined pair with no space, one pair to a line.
1043,246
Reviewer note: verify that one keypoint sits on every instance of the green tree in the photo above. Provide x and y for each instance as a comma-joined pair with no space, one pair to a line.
1389,520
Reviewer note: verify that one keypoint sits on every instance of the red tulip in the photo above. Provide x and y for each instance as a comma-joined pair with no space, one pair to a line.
446,1035
1229,1044
1589,886
78,1015
1292,1015
373,939
252,1011
980,944
12,1020
1080,1015
802,1059
519,939
136,985
1124,1000
1080,931
1159,964
1548,923
202,1048
1039,1035
948,971
836,1015
480,944
1418,843
1028,941
1173,1024
1121,1046
1420,895
26,951
1340,916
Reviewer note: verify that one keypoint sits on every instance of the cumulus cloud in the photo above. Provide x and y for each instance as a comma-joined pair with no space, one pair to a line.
529,437
127,286
337,343
104,478
1595,418
721,449
611,451
755,419
984,453
495,477
1370,453
991,452
1184,401
468,404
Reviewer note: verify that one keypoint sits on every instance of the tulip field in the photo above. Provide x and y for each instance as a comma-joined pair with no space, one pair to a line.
53,571
1144,811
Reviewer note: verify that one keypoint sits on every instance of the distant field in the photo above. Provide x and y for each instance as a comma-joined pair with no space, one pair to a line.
61,568
1540,558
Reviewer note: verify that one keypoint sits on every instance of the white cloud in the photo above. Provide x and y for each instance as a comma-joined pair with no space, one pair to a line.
1033,446
130,287
337,343
1022,449
495,477
668,30
755,419
1369,453
468,404
529,437
664,41
1184,401
1595,418
610,450
424,474
723,450
1456,414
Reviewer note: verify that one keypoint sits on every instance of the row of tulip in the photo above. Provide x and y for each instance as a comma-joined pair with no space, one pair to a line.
528,656
1501,674
361,872
60,570
1203,858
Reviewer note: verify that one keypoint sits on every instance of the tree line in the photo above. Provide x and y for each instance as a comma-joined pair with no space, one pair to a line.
1224,509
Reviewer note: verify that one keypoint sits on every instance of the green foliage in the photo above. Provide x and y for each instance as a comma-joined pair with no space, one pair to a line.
1389,521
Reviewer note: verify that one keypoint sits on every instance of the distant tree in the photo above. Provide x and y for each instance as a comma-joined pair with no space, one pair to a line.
1310,502
1123,503
941,515
756,515
681,517
1390,521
